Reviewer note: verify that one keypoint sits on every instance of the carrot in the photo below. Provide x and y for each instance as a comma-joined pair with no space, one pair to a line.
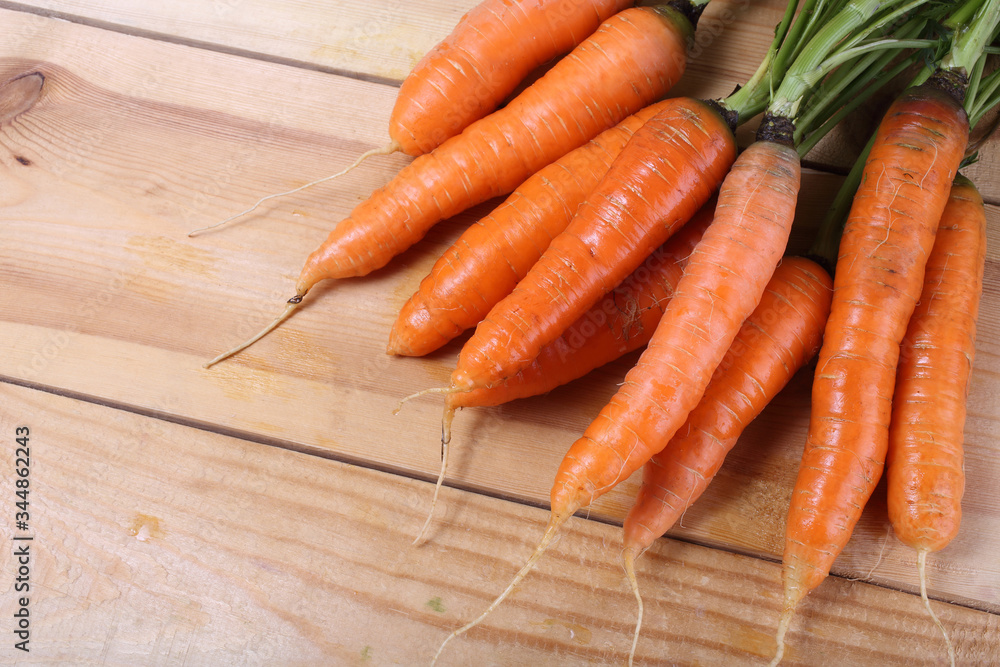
778,338
492,48
888,235
750,229
488,259
682,153
631,61
666,172
924,461
622,322
722,284
469,73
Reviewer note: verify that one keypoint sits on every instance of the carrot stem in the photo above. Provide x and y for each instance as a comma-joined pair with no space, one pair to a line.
838,34
972,36
751,98
855,95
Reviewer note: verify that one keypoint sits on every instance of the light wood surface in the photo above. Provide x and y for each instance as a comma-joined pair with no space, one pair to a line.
277,479
158,543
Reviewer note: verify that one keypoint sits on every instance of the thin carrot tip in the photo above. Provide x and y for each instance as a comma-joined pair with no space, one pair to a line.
922,569
292,305
432,390
437,489
786,620
628,559
550,532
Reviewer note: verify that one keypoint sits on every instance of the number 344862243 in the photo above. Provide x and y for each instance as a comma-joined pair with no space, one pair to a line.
22,465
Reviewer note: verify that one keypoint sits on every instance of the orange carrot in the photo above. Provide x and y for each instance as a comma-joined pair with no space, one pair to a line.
669,169
492,48
713,298
781,335
883,251
622,322
924,461
721,286
631,61
488,260
468,74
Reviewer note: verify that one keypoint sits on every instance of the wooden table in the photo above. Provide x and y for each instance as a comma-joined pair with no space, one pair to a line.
261,512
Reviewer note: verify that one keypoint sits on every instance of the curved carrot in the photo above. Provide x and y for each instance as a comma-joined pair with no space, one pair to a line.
781,335
887,238
669,169
622,322
924,460
490,51
631,61
924,463
750,230
492,255
721,286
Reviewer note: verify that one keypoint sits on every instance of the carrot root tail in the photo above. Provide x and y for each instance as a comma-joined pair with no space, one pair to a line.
786,620
629,563
290,307
445,439
922,568
423,392
550,532
391,147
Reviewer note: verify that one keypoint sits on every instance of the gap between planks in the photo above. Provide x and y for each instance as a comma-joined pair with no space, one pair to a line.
143,33
368,465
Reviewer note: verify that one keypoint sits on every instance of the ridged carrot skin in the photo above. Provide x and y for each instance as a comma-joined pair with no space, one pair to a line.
721,286
668,170
492,255
883,251
779,338
620,323
492,48
631,61
924,463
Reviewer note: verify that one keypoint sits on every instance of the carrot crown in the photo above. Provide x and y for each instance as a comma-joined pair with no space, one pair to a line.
972,25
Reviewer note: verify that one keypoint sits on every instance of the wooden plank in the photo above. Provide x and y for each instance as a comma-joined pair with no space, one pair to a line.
386,38
380,38
155,543
134,142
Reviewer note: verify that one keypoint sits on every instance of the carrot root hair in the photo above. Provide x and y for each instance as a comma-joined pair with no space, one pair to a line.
391,147
424,392
628,561
446,420
786,620
290,308
550,532
922,568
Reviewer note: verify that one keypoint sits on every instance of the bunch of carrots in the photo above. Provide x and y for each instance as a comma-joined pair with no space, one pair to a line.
635,221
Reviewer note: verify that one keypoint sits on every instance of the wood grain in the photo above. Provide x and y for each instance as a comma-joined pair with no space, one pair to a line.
125,307
157,543
383,39
136,139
